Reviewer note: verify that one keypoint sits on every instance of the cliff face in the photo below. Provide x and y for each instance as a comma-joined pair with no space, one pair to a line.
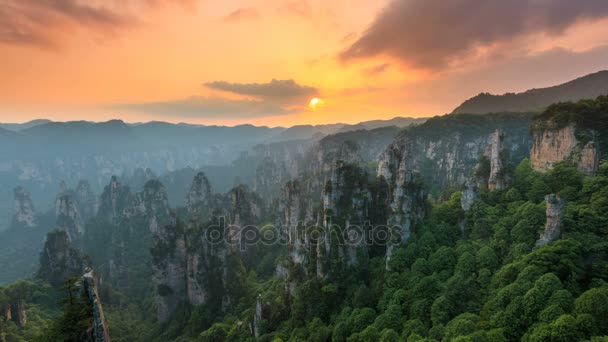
194,261
68,217
59,260
555,211
24,213
98,332
444,151
497,179
573,132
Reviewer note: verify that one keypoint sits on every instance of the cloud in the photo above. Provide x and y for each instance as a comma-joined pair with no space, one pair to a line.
299,8
207,107
430,34
276,91
44,23
548,68
244,13
378,69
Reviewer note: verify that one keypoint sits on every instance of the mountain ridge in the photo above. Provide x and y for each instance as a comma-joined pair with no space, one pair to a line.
535,100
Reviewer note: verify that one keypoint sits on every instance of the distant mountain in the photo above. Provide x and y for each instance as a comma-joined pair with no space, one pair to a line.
586,87
397,122
318,131
25,125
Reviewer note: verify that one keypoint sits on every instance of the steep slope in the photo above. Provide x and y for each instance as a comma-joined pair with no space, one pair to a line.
586,87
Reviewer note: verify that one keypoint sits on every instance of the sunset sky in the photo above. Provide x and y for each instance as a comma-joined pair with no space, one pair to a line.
261,61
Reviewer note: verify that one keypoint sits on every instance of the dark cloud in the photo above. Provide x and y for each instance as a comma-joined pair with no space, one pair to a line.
432,33
44,22
245,13
207,107
378,69
441,95
280,91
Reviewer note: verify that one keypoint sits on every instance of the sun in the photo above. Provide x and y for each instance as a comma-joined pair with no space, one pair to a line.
315,102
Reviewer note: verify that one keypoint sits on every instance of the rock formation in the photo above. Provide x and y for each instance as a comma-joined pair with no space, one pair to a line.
114,199
497,179
469,195
194,261
24,215
590,159
555,211
257,317
199,197
552,145
99,329
68,217
59,260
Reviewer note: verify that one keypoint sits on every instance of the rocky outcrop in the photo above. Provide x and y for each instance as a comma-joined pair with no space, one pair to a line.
406,193
151,204
59,260
99,328
86,199
555,211
114,199
24,214
589,159
469,195
68,217
14,311
552,145
257,317
497,179
193,260
199,197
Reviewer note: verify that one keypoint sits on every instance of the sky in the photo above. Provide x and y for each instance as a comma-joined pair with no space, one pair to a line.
262,61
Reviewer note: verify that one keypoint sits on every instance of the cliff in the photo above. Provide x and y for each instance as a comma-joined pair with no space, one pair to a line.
200,259
24,213
574,132
59,260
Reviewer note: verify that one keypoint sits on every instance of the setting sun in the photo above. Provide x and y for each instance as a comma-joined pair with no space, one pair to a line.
315,102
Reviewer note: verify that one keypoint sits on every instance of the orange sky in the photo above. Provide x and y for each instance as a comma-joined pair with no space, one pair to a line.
138,67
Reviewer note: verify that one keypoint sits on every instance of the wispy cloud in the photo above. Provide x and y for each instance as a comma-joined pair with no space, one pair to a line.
378,69
430,34
299,8
207,107
245,13
44,23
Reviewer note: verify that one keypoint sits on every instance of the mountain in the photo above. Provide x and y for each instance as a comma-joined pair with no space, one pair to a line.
25,125
535,100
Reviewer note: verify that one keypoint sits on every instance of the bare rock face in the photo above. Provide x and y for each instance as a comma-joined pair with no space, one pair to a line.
114,199
497,179
552,146
555,145
199,197
25,215
469,195
98,332
151,204
555,210
590,159
68,217
86,199
406,194
59,260
257,317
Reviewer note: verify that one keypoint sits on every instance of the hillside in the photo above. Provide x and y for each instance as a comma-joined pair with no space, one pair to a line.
586,87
